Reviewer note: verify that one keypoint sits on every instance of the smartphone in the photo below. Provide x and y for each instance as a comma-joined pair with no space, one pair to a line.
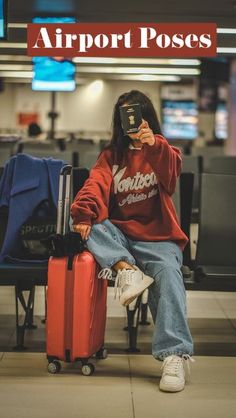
131,118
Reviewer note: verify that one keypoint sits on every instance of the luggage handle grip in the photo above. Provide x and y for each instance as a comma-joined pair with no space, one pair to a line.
64,199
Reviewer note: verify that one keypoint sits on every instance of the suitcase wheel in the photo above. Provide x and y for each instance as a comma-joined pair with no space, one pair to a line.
54,367
102,354
88,369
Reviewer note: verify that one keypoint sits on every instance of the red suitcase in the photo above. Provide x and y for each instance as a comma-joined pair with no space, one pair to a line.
76,301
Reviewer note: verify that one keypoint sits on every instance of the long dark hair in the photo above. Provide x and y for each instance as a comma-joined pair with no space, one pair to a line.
120,142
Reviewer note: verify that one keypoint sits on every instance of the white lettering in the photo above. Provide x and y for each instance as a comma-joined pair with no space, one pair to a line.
86,41
118,176
138,182
137,197
59,38
69,39
205,40
190,40
114,40
133,198
177,40
149,36
163,40
43,36
127,39
146,34
101,40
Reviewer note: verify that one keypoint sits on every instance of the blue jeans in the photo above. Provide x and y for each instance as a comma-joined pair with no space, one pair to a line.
167,297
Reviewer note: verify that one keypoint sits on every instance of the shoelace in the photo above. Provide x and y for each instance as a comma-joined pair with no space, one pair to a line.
172,364
105,274
188,358
123,278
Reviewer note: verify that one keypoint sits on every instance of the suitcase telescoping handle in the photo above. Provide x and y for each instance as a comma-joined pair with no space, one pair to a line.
67,201
63,208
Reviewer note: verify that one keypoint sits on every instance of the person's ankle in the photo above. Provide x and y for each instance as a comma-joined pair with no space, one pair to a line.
120,265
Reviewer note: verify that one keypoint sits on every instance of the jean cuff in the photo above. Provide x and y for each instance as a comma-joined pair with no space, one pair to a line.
162,356
117,259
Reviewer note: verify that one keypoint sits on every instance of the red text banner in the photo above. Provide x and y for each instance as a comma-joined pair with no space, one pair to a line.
122,39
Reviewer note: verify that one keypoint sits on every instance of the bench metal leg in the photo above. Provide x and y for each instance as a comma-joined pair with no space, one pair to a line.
28,306
133,322
144,311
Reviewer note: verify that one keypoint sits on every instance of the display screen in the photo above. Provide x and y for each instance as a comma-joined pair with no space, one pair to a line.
53,74
3,17
179,119
221,121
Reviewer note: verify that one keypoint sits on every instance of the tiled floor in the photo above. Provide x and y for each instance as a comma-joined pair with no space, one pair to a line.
124,385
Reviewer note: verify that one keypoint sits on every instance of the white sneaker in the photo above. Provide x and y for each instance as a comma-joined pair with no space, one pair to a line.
131,283
173,376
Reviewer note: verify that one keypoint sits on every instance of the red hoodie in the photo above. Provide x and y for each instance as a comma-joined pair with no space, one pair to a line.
135,195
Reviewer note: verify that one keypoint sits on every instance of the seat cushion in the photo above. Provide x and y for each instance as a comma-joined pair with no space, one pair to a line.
218,278
11,274
220,272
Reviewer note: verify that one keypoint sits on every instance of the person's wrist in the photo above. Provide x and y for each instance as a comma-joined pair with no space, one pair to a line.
152,141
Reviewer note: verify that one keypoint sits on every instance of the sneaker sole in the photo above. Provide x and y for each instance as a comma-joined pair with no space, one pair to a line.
166,388
146,283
